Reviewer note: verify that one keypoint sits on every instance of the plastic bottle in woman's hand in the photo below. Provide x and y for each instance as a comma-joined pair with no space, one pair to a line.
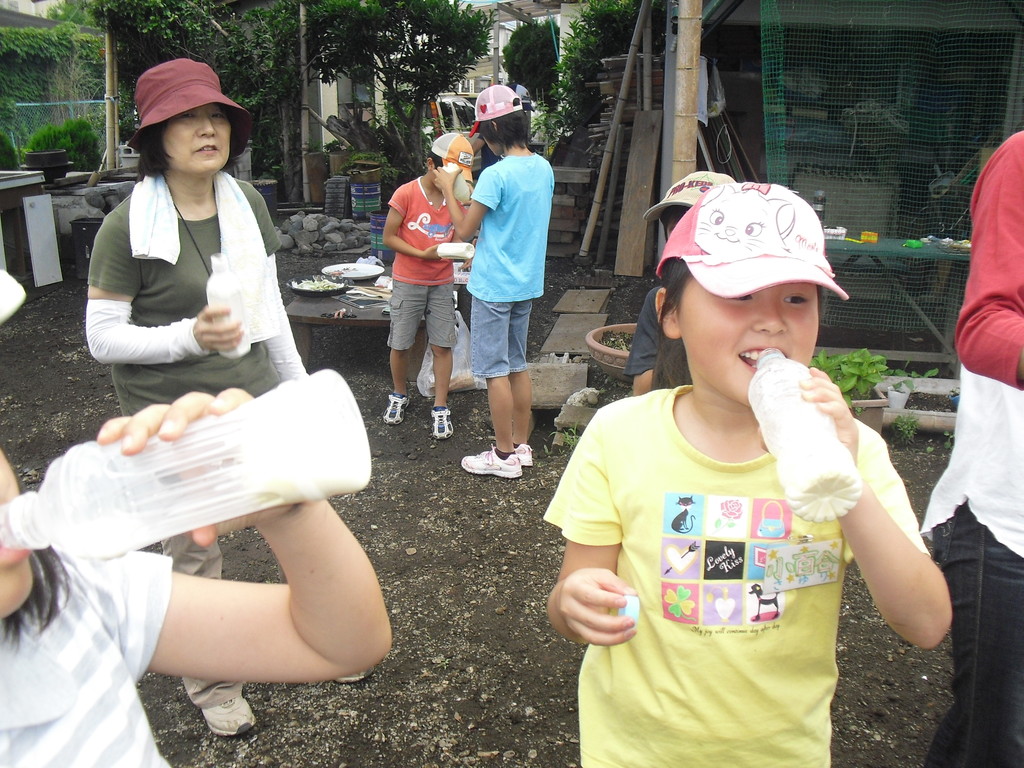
224,289
818,474
302,441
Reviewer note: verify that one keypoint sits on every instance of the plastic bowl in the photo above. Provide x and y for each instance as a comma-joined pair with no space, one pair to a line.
612,361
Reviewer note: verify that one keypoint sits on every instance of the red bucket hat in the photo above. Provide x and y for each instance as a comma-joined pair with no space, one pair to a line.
175,86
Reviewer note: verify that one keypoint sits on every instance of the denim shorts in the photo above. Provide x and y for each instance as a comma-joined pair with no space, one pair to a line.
410,303
498,337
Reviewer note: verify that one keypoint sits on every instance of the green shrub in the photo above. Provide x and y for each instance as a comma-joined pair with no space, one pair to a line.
76,136
905,428
8,155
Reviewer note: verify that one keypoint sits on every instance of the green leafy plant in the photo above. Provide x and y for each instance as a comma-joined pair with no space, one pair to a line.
906,382
569,437
905,429
856,373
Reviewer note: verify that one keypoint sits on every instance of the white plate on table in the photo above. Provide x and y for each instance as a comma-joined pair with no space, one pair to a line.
353,271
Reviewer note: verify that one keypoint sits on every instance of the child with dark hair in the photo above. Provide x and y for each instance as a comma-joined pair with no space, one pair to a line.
418,221
77,634
511,208
671,501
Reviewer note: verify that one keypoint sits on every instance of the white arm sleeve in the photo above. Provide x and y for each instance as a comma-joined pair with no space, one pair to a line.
283,354
113,339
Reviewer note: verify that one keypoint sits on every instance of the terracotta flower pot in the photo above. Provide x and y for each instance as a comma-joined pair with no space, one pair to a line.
612,361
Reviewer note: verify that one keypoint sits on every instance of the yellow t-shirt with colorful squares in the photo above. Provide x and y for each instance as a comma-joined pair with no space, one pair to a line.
731,665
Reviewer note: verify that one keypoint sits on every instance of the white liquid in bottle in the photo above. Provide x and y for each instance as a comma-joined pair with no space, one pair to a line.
817,472
224,289
302,441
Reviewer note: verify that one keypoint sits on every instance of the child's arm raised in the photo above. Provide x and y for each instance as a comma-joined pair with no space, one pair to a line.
328,620
467,222
906,585
588,590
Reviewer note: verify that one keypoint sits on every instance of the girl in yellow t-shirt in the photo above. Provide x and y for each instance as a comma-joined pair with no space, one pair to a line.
672,498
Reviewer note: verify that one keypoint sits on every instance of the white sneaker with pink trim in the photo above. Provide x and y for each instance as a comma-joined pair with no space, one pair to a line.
525,454
489,463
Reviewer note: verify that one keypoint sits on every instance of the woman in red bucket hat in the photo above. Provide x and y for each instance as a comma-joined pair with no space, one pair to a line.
147,313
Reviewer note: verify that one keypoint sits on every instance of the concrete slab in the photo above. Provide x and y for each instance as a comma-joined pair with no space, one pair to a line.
569,332
553,383
583,301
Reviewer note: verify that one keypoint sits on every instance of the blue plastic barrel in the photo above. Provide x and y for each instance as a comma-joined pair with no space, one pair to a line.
377,220
365,199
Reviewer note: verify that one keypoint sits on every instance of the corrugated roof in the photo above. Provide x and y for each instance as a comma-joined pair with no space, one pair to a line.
522,10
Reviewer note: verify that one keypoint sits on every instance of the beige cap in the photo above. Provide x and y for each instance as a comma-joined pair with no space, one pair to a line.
687,190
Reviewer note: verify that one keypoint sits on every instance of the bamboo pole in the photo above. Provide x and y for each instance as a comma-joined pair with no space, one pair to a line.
648,99
110,99
609,147
606,226
684,107
304,104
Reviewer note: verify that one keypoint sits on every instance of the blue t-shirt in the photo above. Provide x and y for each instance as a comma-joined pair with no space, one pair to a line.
510,252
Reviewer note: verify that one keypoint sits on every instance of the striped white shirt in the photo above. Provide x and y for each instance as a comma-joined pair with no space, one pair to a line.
68,695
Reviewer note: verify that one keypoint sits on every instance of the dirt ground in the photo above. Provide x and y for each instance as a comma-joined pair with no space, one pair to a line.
476,676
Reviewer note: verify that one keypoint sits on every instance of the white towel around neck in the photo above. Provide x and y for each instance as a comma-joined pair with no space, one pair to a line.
153,230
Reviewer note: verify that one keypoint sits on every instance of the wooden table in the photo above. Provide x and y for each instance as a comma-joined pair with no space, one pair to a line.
886,276
306,313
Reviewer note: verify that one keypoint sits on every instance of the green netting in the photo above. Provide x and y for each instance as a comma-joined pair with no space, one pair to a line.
889,105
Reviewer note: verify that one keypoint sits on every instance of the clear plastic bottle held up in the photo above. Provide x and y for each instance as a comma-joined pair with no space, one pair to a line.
302,441
818,474
224,289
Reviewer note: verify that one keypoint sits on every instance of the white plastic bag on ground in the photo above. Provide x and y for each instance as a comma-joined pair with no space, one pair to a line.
462,371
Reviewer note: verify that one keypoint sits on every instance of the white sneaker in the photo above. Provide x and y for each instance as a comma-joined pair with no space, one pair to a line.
525,454
232,718
488,463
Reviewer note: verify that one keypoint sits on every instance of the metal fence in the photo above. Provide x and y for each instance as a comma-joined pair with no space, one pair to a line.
28,118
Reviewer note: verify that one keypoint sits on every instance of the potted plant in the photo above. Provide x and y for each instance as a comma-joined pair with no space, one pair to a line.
897,394
857,373
609,348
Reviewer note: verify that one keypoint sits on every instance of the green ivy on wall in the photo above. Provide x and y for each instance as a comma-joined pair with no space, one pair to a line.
28,56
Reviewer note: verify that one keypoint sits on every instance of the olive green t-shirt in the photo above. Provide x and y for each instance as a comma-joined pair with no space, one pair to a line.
166,293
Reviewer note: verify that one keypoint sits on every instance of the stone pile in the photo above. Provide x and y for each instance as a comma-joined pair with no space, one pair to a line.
312,233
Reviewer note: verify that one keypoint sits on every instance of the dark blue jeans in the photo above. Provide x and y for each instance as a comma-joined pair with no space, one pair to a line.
985,726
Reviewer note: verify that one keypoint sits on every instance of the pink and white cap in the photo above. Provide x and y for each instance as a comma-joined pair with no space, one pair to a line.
495,101
744,237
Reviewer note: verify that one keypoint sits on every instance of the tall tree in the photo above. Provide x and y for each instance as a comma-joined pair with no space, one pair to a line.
531,57
411,49
255,55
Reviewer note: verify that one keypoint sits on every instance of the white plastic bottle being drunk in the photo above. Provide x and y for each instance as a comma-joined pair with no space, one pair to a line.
818,474
224,289
302,441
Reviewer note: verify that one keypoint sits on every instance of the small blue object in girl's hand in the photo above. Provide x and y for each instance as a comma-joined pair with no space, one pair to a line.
631,608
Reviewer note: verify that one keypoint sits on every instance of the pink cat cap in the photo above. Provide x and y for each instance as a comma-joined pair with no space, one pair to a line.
741,238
